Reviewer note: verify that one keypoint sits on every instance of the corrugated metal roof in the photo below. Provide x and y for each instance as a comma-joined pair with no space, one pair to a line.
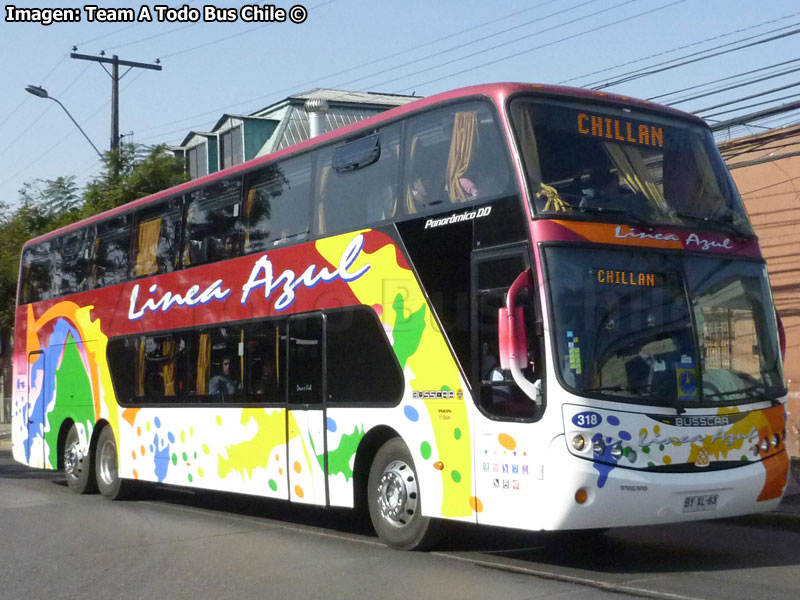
347,96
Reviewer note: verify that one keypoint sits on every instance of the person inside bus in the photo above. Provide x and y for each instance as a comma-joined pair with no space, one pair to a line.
603,185
266,387
224,384
428,187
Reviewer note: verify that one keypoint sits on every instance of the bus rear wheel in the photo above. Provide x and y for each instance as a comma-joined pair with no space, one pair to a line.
78,464
110,484
393,496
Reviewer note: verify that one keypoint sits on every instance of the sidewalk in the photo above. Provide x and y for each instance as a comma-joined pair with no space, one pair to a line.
789,508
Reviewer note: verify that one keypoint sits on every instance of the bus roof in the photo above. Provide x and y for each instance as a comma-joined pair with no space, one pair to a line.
498,92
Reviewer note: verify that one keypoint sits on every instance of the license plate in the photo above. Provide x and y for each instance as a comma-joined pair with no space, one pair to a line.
700,503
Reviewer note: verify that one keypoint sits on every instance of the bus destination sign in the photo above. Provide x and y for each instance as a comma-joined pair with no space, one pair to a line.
620,130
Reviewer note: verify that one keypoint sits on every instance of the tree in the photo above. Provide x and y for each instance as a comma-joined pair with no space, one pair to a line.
45,205
126,179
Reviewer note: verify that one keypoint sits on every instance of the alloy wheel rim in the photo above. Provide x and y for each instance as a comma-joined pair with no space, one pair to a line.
398,494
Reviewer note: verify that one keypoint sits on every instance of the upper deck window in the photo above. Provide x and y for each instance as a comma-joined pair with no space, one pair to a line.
453,156
587,161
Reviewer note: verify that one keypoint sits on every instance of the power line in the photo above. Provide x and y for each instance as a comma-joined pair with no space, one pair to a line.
495,47
669,67
711,39
582,33
728,78
735,86
484,38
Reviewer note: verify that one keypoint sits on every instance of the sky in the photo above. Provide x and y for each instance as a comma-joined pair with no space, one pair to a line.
416,46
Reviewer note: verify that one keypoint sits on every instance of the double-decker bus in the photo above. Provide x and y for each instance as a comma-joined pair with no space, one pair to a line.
517,305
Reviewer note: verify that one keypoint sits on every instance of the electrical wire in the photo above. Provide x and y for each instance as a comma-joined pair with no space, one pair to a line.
564,39
667,67
677,49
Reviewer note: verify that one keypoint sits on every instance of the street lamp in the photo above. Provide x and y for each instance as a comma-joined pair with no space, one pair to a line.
40,92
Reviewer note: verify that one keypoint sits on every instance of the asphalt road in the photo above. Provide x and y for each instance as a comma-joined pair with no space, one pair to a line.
175,544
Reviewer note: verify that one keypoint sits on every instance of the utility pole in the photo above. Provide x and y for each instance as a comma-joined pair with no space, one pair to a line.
115,77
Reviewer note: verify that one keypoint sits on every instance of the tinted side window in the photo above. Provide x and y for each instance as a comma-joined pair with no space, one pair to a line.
161,367
266,362
157,238
72,261
277,204
122,355
215,370
212,223
112,251
454,155
357,182
362,368
37,273
305,359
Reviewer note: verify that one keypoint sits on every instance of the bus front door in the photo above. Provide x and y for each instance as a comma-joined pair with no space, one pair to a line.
40,385
306,444
504,466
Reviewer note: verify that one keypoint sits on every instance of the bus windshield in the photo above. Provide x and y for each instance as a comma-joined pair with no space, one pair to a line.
665,330
589,161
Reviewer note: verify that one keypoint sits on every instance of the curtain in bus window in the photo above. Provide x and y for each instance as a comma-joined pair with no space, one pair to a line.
461,147
149,232
530,154
634,171
168,369
203,363
140,370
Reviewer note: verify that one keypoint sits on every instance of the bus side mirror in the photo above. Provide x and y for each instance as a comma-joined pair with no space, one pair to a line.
508,354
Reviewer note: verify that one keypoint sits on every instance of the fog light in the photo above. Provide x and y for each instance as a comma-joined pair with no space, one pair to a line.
616,451
754,450
598,447
581,496
632,456
578,442
764,444
776,440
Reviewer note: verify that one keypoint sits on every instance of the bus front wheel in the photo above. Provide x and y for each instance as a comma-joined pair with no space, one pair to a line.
78,464
109,482
393,496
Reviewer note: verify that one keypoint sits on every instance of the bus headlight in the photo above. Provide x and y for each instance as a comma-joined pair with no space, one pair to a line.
598,447
632,456
764,444
776,440
578,442
616,451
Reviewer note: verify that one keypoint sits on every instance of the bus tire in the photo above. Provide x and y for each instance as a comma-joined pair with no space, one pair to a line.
78,468
110,484
393,496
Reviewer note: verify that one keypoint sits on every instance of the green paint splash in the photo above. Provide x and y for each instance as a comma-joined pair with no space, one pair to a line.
73,397
339,459
407,330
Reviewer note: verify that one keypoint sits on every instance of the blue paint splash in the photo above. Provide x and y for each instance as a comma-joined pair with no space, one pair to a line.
411,413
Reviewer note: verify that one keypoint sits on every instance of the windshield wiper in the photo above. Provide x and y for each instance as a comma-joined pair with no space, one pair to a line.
754,392
708,223
639,390
609,210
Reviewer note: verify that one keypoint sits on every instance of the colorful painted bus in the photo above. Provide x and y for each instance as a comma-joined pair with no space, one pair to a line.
517,305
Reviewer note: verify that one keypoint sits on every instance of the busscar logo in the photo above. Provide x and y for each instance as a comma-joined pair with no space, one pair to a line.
434,394
469,215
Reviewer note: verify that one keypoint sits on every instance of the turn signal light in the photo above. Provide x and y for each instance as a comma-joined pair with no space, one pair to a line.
438,465
581,496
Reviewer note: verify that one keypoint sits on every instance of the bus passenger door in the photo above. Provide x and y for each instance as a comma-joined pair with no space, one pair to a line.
40,375
505,473
306,456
